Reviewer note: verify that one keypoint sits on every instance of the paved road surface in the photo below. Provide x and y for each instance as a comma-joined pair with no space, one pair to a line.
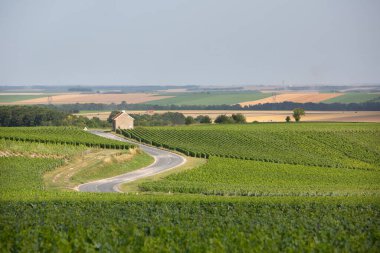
164,160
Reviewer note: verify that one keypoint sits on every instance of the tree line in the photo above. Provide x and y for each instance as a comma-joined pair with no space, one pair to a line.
13,116
75,108
17,115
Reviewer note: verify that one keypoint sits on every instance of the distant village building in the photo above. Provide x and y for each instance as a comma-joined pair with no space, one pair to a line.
122,121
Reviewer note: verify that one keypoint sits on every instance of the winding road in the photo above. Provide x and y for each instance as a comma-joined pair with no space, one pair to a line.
163,161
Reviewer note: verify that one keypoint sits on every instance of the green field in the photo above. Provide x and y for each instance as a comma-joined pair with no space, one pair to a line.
348,145
210,98
354,98
16,98
34,219
93,223
281,204
225,176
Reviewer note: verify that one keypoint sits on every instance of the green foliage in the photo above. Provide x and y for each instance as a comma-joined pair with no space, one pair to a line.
234,118
37,220
350,145
189,120
112,115
287,119
159,119
30,116
14,116
32,219
59,135
297,113
224,119
239,118
203,119
172,225
20,174
223,176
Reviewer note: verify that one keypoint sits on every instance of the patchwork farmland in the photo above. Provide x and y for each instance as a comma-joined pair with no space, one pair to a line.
82,98
163,98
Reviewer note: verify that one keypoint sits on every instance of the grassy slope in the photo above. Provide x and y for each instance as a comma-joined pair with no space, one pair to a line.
212,98
16,98
240,177
191,163
93,165
353,98
111,168
82,164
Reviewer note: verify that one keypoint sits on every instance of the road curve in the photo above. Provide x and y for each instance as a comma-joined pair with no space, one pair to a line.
163,161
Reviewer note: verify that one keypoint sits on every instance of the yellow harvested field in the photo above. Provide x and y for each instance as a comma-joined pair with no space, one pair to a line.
271,116
130,98
313,97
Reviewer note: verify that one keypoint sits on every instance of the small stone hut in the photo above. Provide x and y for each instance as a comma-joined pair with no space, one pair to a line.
122,121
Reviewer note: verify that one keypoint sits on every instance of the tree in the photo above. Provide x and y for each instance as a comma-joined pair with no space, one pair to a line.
224,119
189,120
239,118
112,115
287,119
203,119
174,118
297,113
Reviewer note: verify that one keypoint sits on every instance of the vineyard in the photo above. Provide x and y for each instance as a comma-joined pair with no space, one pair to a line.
24,148
32,219
175,224
225,176
261,202
59,135
20,174
321,144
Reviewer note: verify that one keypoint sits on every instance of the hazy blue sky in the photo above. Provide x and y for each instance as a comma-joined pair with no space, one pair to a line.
203,42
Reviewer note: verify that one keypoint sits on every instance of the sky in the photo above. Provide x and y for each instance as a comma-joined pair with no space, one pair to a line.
181,42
